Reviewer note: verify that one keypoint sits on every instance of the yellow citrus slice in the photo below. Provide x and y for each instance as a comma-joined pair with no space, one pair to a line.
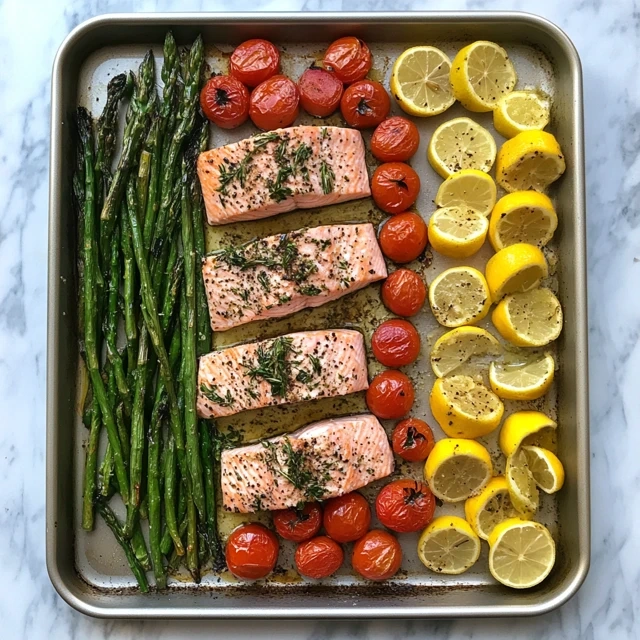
448,545
459,296
522,216
515,269
468,189
457,232
522,380
546,468
458,346
521,553
522,487
531,319
460,144
525,428
520,111
531,160
457,469
420,81
481,74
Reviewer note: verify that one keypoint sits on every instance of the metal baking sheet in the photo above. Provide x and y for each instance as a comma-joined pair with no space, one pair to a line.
88,570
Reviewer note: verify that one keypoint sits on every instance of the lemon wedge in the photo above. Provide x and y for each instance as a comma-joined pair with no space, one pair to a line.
515,269
520,111
458,346
457,232
522,381
546,468
468,189
526,428
490,507
448,545
522,487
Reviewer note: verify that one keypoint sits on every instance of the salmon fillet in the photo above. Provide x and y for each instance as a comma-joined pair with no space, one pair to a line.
282,170
320,461
279,275
292,368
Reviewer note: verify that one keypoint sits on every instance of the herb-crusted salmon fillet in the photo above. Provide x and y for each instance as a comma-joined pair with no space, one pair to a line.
291,368
279,275
320,461
281,170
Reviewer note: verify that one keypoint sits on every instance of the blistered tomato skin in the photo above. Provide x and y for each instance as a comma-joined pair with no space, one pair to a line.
298,524
412,440
346,518
390,395
319,557
405,506
254,61
320,92
396,343
404,292
349,58
365,104
251,551
377,555
274,103
404,237
225,101
395,139
395,187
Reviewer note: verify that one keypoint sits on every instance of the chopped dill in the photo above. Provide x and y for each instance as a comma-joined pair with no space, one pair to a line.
327,177
274,365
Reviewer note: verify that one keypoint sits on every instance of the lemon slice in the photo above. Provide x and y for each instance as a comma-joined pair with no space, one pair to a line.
546,468
521,554
460,144
520,111
459,296
522,487
481,74
465,408
457,469
515,269
518,381
448,545
420,81
457,232
526,428
490,507
458,346
531,160
522,216
531,319
468,189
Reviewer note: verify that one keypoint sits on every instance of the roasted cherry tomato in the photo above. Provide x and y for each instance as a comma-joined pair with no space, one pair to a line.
395,140
377,555
253,61
347,517
404,237
274,103
225,101
298,524
320,92
396,343
365,104
349,58
319,557
404,292
412,439
390,395
252,551
405,505
395,187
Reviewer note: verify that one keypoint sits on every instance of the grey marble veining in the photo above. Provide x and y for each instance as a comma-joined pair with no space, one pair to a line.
607,35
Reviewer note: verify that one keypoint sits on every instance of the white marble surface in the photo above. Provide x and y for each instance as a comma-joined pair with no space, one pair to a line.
607,34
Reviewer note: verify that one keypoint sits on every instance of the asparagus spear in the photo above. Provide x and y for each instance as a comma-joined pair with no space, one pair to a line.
130,295
213,540
90,470
170,482
192,542
153,493
140,547
144,167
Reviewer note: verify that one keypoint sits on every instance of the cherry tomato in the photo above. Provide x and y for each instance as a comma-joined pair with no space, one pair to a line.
225,101
394,187
365,104
412,439
404,237
347,517
404,292
390,395
349,58
395,140
274,103
298,524
320,92
319,557
253,61
377,555
252,551
405,505
396,343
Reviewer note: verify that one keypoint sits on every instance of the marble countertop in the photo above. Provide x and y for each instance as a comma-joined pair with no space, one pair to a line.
607,35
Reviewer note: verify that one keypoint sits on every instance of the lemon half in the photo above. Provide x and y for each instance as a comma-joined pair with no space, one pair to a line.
522,487
522,381
520,111
468,189
457,232
546,468
448,545
458,346
490,507
525,428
